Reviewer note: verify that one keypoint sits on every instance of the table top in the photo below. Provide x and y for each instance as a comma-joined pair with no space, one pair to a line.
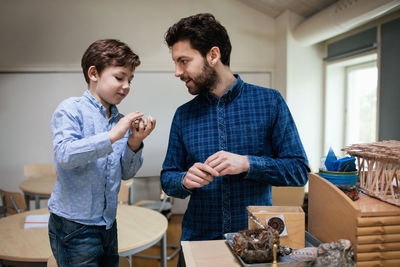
42,185
137,227
208,253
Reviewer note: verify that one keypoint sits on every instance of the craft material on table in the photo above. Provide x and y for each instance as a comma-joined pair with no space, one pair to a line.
378,165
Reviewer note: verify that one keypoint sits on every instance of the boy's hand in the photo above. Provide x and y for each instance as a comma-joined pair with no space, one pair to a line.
119,130
140,130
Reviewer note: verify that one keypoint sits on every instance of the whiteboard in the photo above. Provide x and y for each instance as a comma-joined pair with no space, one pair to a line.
28,100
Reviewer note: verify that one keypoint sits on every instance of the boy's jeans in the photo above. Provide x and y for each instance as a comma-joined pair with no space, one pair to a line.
75,244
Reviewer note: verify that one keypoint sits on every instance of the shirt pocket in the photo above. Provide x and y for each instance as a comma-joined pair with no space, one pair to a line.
249,139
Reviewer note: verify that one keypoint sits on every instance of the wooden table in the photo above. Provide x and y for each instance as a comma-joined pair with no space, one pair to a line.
37,187
138,229
208,253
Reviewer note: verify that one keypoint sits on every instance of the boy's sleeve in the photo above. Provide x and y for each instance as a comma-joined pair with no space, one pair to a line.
131,162
71,149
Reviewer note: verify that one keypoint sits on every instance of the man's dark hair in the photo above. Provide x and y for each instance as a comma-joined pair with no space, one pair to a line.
108,52
203,31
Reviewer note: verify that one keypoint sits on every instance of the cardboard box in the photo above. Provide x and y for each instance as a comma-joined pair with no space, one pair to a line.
293,217
287,195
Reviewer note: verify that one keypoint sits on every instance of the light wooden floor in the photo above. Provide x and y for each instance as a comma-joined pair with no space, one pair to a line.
173,235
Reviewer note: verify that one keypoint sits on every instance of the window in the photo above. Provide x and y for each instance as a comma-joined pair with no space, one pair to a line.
361,103
350,102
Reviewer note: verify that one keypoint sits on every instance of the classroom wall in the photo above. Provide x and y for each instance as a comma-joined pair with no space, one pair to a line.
300,72
53,34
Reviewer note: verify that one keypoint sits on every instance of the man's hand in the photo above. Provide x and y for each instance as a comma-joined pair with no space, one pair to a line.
140,130
228,163
199,175
119,130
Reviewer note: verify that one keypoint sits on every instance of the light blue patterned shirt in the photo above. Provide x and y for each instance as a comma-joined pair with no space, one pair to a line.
89,167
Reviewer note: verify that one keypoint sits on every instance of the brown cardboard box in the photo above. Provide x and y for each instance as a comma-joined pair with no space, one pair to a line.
287,195
294,220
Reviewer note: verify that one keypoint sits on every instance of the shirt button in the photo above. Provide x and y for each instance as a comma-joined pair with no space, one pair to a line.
89,161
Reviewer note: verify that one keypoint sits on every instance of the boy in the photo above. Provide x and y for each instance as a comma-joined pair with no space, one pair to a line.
94,148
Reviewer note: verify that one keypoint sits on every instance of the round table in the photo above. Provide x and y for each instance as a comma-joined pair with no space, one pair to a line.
138,229
37,187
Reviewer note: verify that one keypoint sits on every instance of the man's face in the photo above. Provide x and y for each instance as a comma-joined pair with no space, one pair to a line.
113,85
192,68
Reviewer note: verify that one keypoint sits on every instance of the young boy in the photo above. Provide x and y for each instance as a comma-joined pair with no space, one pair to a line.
94,148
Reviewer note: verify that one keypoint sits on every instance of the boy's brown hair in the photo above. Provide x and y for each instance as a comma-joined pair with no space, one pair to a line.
108,52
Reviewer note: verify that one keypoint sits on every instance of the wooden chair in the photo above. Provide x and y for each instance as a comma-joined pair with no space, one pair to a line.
164,205
37,170
125,191
13,202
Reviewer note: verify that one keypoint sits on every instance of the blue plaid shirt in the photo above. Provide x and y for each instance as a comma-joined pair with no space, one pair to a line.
247,120
89,167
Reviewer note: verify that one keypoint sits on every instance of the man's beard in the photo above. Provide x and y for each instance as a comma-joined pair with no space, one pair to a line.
205,81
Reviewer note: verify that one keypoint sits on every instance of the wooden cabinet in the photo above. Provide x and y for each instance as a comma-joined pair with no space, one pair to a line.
372,226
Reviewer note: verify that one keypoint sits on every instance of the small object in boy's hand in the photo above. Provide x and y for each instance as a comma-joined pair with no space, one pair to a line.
137,122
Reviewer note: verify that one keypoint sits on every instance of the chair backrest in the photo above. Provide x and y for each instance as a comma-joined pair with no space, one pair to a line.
37,170
124,191
14,202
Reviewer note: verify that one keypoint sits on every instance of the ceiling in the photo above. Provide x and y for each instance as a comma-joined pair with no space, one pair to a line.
274,8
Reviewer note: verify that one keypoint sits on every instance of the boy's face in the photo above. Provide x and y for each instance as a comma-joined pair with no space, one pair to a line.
192,68
111,85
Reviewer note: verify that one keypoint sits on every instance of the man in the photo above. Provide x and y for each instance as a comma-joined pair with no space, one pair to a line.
229,144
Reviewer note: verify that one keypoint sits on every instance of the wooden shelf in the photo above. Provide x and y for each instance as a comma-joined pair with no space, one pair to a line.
372,226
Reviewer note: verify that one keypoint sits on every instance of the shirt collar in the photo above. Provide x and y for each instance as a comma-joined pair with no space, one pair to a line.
99,106
229,95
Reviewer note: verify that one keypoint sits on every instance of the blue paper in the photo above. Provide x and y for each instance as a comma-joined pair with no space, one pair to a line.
331,163
347,164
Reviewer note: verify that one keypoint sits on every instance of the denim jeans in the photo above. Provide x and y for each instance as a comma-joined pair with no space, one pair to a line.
75,244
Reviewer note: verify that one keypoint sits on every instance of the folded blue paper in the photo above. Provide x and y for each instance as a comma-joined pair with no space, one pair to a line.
331,161
333,164
347,164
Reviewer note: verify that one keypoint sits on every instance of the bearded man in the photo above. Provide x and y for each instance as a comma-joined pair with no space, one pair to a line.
230,143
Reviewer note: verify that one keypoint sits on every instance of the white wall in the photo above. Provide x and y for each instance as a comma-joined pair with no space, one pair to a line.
53,34
302,84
